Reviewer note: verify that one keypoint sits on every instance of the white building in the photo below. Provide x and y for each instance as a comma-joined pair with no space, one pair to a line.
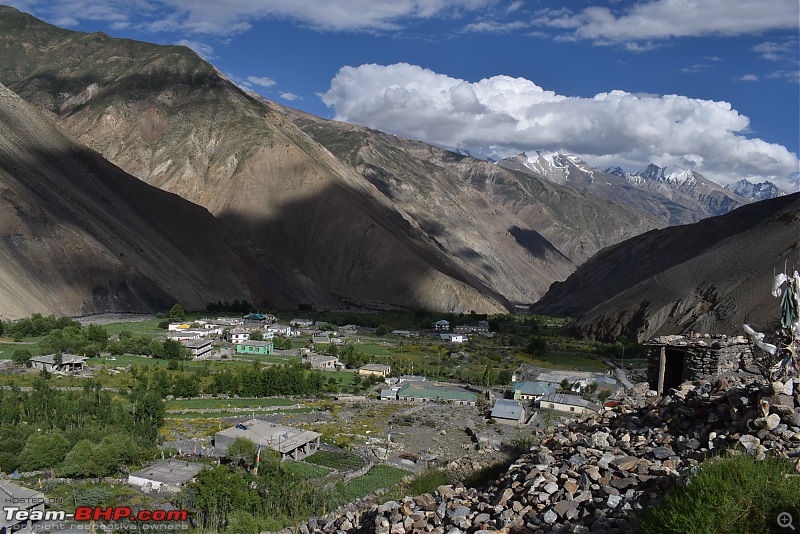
165,476
200,348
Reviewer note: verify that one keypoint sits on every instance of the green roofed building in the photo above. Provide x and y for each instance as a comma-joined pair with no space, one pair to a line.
254,347
426,392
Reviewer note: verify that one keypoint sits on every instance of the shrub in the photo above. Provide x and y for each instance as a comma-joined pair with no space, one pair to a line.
733,493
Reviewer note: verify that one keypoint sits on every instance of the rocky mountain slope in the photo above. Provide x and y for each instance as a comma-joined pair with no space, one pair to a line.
397,222
418,176
79,235
755,192
710,276
603,473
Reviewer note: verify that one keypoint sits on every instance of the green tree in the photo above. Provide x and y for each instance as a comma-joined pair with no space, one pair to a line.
22,357
174,350
564,385
177,312
78,462
537,347
44,451
240,522
242,451
216,493
256,335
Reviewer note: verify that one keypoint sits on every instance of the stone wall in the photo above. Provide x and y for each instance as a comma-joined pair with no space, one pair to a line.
701,356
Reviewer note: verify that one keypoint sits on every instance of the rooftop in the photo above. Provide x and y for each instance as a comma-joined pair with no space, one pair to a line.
196,343
569,400
533,388
380,367
424,391
278,437
169,472
65,359
507,409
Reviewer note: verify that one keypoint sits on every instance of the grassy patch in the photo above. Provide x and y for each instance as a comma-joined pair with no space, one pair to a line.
426,482
304,471
372,349
732,493
336,460
380,476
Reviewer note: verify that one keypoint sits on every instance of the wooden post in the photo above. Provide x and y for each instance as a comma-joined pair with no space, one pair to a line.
662,369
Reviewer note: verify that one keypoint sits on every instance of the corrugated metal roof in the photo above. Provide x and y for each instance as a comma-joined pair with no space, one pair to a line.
507,409
569,400
422,391
533,388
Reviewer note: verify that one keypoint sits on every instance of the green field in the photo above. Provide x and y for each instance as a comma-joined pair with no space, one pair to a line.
567,360
148,326
7,349
304,471
336,460
373,349
380,476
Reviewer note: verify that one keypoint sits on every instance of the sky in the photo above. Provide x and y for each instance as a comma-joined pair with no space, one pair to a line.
711,85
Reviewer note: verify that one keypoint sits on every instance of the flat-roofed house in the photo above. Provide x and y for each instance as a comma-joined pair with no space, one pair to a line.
378,369
291,443
168,476
69,363
254,347
321,361
200,348
239,334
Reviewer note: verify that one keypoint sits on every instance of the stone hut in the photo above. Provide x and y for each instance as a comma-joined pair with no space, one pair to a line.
675,359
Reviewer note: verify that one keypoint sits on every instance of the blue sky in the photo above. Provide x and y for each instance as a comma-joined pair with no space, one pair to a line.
707,84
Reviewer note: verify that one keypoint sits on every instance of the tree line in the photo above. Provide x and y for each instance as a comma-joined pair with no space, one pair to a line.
46,428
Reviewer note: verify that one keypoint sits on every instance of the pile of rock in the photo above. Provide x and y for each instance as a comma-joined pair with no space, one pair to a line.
600,474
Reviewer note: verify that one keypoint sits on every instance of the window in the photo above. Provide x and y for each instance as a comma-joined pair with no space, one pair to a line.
572,408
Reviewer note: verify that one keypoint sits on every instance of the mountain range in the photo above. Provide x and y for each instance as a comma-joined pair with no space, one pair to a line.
711,276
373,219
303,209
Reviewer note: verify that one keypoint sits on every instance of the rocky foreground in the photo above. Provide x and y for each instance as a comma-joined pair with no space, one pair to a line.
599,475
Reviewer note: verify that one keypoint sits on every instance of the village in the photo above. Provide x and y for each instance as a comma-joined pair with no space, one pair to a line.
393,417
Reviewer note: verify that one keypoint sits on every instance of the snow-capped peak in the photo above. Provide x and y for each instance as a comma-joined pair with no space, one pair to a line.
659,174
755,192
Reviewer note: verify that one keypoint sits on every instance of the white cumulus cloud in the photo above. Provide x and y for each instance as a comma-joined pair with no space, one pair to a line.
501,116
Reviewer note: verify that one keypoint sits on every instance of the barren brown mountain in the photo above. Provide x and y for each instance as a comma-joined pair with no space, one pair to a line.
710,276
399,221
80,235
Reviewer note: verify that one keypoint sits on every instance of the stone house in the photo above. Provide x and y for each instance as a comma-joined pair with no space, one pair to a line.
676,359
